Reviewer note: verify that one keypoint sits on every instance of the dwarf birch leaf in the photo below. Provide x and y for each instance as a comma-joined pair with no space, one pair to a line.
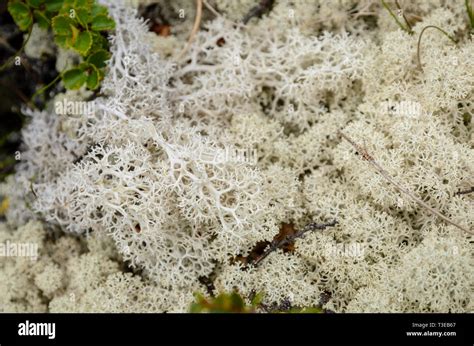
74,78
83,43
21,14
102,22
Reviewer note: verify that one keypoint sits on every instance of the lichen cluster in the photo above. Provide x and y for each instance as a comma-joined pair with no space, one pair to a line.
131,209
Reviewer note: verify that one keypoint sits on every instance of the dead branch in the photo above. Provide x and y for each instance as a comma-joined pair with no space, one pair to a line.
277,244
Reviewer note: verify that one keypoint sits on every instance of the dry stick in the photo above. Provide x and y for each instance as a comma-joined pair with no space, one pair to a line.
197,22
365,155
292,237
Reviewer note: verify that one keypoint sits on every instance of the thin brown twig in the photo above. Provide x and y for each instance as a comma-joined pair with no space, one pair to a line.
197,23
367,157
277,244
464,192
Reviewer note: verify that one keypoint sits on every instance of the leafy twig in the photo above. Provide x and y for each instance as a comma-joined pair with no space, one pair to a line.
419,41
367,157
277,244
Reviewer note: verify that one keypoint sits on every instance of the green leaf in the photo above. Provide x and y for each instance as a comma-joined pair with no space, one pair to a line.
99,58
83,43
236,301
257,299
71,41
21,14
65,36
99,42
34,3
83,17
98,9
102,22
66,7
86,4
74,78
62,25
94,78
42,20
54,5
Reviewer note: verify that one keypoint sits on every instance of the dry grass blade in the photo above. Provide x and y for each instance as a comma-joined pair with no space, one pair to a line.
367,157
197,23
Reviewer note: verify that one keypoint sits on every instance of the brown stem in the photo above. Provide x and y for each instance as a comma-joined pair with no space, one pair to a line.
291,238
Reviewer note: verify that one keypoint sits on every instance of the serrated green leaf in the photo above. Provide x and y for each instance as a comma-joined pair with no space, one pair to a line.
61,41
83,43
62,25
21,14
41,18
66,7
54,5
74,78
94,78
102,22
65,32
99,42
99,58
83,17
